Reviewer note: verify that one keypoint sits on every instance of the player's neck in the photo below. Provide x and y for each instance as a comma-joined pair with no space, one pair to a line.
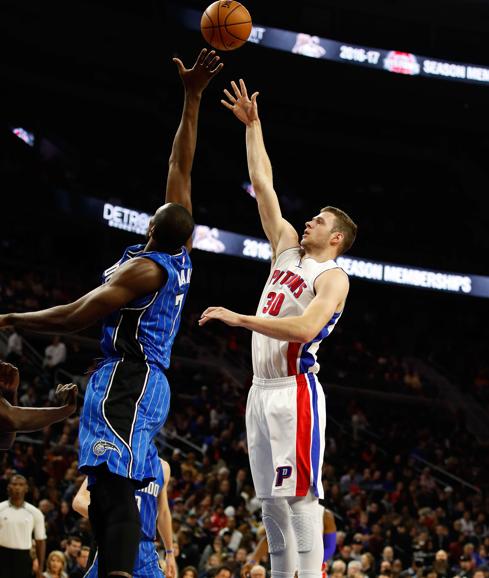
319,255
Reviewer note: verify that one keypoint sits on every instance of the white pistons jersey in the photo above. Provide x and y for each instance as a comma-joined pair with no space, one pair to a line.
287,293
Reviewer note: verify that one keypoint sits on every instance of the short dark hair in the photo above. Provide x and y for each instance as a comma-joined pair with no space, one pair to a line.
223,567
74,538
172,226
343,224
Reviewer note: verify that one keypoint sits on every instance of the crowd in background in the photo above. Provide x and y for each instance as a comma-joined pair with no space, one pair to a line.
396,516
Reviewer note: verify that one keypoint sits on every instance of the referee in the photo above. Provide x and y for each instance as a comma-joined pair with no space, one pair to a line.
19,520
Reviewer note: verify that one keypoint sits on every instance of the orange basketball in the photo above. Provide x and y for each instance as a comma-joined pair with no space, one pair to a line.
226,25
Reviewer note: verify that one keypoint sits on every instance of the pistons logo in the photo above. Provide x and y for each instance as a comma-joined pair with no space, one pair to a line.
283,473
401,62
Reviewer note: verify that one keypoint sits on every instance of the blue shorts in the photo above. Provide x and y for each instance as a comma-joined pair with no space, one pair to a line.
126,404
146,565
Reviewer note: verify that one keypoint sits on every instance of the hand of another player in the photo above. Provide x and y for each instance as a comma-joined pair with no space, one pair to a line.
220,313
9,377
246,569
243,107
67,395
206,66
171,566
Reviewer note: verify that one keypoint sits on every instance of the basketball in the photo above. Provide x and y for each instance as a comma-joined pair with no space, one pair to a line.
226,25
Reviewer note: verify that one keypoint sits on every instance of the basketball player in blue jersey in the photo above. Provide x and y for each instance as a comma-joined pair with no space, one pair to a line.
140,302
152,502
302,301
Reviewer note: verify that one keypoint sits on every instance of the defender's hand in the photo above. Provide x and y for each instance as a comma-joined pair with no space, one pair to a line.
67,395
225,315
206,66
244,108
9,377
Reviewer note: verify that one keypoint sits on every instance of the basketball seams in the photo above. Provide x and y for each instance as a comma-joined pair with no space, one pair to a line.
225,25
227,39
212,23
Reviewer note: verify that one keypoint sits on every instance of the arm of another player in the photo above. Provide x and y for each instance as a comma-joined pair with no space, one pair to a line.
29,419
165,523
260,552
331,291
195,80
134,279
81,501
279,232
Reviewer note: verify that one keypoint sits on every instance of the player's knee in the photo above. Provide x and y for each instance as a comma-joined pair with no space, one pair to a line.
306,520
304,532
276,519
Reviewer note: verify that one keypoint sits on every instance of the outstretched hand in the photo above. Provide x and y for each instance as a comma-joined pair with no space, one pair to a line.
206,66
220,313
243,107
67,394
9,377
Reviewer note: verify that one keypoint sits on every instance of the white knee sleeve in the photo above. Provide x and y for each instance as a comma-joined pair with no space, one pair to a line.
280,536
307,523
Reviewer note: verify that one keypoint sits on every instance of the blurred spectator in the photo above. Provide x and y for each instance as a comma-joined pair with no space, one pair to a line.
55,565
81,563
72,549
14,347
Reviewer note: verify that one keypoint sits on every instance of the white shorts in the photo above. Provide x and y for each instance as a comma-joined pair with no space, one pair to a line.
286,425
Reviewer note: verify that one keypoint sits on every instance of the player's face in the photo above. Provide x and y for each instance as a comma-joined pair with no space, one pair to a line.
318,231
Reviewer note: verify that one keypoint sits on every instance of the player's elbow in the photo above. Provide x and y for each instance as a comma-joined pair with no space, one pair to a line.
79,506
306,332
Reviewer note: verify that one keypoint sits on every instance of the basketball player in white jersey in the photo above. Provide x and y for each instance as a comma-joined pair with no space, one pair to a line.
303,299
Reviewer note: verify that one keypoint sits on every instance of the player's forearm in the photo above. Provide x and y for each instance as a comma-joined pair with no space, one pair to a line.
295,329
165,529
259,165
261,550
26,419
185,141
59,319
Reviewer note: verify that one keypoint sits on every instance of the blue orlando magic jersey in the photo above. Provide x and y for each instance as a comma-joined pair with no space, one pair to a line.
146,328
147,500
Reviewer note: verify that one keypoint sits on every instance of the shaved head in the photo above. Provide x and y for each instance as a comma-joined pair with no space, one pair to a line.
171,227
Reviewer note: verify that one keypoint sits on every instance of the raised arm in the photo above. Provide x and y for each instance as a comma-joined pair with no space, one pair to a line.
194,80
279,232
134,279
331,291
165,523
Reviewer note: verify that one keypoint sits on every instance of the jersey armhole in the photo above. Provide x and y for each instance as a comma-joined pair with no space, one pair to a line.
325,271
277,257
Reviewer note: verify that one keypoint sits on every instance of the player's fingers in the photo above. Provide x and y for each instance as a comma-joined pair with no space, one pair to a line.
59,388
179,64
229,95
218,68
254,96
201,57
227,105
236,89
242,86
209,57
213,63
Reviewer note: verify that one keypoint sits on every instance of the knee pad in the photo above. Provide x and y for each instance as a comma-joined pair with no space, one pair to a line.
304,532
276,514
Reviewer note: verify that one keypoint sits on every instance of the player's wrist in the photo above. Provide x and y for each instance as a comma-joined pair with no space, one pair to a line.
169,552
